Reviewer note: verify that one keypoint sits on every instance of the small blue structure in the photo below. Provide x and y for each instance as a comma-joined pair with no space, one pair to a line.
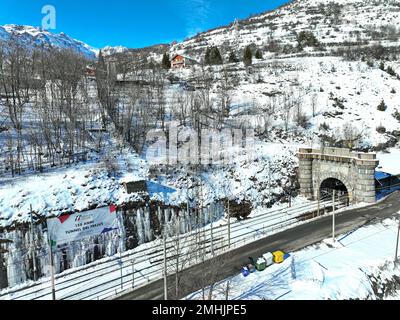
385,184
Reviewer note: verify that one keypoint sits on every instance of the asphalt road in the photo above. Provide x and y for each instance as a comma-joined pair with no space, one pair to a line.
291,240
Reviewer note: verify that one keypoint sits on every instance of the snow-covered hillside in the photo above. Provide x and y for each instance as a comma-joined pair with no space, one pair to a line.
332,21
332,89
31,36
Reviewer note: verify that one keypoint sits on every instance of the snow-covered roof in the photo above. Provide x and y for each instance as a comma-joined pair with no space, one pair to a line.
186,57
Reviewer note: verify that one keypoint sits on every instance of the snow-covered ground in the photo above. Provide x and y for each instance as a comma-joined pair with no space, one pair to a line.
323,271
102,279
337,97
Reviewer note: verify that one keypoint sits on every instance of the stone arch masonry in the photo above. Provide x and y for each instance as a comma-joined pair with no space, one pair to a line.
356,170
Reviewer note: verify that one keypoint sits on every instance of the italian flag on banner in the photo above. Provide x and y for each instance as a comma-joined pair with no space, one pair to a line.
113,208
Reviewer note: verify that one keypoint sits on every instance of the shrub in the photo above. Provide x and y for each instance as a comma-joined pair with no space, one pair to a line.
381,129
382,106
324,126
391,71
259,54
306,39
233,58
396,115
302,121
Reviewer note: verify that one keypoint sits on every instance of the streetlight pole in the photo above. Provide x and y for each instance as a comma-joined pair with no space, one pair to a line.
121,270
229,225
133,274
165,265
212,237
333,219
53,282
51,257
33,248
397,245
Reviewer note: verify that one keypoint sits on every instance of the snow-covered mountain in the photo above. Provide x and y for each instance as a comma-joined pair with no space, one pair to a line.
32,36
109,51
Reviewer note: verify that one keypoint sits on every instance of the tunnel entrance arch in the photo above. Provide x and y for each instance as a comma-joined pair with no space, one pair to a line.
332,185
350,173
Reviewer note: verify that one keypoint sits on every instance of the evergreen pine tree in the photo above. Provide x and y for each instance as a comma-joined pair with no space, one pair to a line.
259,54
232,57
207,59
166,63
382,66
101,68
248,56
306,39
382,106
213,56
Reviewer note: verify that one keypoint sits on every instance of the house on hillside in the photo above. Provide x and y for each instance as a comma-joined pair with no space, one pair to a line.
181,61
90,71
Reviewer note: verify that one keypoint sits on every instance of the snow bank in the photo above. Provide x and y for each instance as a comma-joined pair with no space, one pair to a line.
321,272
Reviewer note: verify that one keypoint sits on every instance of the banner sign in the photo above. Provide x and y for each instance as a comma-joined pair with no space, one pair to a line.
68,228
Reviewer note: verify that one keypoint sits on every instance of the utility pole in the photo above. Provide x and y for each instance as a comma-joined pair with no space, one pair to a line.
212,236
227,291
290,194
51,257
133,273
229,225
165,265
53,282
188,207
333,219
177,257
121,270
397,245
33,248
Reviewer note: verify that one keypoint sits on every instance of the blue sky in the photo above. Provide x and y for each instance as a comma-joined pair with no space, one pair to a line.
133,23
